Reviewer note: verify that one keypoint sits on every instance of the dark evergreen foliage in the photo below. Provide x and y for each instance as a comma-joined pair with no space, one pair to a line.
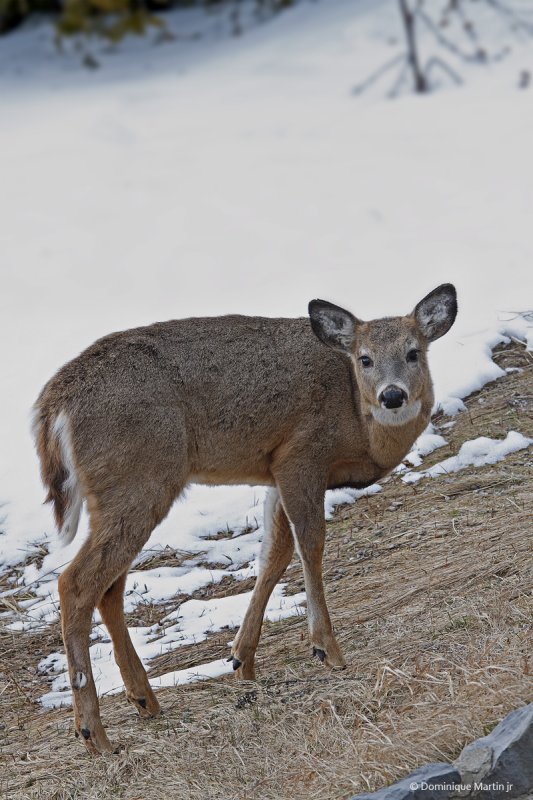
110,18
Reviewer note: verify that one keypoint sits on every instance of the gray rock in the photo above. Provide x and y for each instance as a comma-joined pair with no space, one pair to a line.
501,764
431,782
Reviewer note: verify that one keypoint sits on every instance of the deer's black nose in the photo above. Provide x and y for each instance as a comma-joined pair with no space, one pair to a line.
392,397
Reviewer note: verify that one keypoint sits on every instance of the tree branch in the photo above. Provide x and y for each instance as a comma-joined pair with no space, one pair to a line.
375,76
438,62
409,23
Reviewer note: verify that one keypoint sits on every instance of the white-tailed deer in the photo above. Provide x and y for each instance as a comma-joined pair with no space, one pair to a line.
301,405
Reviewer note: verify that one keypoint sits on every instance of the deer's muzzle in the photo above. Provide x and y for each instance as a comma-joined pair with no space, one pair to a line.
393,397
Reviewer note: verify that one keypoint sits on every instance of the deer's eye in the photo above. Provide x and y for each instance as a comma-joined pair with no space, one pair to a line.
412,356
366,361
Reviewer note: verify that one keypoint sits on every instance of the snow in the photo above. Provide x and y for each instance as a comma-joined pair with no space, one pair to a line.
338,497
217,175
190,623
426,443
474,453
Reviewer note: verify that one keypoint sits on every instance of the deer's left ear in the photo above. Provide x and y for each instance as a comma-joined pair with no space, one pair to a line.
333,325
436,313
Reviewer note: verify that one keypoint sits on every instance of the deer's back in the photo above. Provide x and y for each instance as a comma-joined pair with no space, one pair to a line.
236,385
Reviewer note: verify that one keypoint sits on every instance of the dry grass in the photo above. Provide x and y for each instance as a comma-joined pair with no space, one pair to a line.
430,587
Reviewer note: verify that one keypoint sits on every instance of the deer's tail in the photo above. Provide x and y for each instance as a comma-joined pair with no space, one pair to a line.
58,468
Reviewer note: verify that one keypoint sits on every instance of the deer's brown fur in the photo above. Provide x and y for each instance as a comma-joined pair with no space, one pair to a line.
137,416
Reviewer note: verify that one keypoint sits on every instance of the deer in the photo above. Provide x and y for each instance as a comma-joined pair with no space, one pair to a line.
299,405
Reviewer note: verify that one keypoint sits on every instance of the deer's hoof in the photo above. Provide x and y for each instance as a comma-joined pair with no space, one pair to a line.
235,662
147,707
96,741
330,658
245,670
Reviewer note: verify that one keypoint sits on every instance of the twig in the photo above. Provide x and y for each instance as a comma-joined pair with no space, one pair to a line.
375,76
394,92
437,62
479,56
504,10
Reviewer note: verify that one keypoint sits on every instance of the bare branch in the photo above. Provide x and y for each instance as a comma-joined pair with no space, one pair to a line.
375,76
409,23
509,13
478,56
438,62
468,27
469,47
400,80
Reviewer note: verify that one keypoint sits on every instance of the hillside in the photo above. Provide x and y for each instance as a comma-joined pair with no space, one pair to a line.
430,587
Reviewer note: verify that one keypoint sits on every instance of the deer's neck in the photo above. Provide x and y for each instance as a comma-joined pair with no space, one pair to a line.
389,444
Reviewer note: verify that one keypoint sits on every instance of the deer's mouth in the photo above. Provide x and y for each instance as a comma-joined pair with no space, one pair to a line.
398,414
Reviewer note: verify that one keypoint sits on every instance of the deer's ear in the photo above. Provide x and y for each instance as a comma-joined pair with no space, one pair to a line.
436,313
333,325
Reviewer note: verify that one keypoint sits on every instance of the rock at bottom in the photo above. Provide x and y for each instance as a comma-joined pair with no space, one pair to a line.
500,765
431,782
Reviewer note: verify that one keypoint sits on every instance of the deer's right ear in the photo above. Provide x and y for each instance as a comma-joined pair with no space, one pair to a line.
333,325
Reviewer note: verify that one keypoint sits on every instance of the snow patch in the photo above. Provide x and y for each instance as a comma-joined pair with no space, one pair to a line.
338,497
426,443
190,623
477,453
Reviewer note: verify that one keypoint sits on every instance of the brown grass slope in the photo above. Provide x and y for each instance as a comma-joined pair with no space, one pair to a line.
431,590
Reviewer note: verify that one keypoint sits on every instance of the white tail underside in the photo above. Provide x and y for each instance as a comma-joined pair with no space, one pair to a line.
71,486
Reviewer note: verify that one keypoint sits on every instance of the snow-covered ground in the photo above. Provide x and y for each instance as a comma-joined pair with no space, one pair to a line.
213,175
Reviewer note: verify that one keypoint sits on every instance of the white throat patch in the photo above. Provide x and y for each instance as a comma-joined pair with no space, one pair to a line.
396,416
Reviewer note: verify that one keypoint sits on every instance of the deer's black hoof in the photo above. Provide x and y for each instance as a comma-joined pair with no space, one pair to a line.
236,663
320,654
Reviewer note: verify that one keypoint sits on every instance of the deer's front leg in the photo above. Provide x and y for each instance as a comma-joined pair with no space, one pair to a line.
276,552
304,507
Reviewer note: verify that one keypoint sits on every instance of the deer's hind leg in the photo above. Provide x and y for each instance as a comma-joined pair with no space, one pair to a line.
138,689
120,525
276,552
